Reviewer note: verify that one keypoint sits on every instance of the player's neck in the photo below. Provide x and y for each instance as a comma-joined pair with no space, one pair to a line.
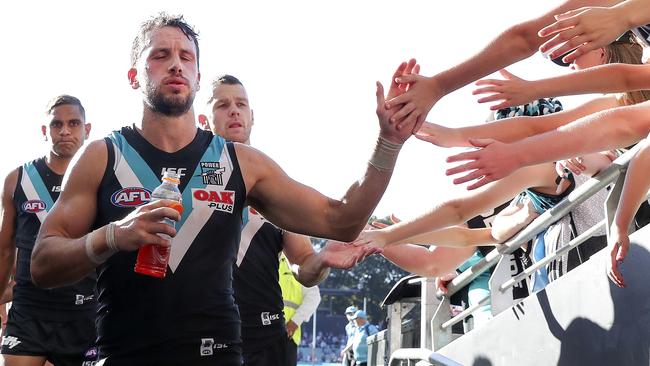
167,133
57,163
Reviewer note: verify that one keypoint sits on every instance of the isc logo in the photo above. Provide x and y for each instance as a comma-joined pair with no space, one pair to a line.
33,206
130,197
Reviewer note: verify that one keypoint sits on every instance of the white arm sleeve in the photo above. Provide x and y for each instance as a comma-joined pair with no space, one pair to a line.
310,301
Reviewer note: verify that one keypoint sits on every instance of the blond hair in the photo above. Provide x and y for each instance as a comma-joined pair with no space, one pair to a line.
628,52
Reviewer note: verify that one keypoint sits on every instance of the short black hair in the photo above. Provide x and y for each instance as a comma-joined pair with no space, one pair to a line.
65,99
224,79
162,20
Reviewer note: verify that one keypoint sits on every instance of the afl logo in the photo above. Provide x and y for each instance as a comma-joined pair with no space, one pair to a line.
131,197
33,206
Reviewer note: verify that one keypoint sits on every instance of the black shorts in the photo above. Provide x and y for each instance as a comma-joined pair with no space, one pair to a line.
204,353
273,353
61,343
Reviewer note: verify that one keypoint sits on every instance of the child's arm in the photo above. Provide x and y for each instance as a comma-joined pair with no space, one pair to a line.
611,78
635,190
432,262
511,129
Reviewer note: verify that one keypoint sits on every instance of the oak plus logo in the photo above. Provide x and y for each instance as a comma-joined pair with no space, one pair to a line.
212,173
217,200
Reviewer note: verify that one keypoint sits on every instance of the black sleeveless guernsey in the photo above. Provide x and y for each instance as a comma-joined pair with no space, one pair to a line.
194,303
256,283
37,189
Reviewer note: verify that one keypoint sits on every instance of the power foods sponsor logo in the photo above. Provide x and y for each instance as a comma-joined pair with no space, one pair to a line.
34,206
131,197
212,172
217,200
10,341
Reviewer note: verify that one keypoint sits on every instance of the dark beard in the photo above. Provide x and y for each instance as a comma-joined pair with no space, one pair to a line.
171,106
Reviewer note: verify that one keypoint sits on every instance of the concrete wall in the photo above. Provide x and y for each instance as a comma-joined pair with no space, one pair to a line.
581,319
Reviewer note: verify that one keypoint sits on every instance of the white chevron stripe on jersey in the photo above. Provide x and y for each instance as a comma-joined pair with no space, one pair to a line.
253,225
123,171
199,216
30,194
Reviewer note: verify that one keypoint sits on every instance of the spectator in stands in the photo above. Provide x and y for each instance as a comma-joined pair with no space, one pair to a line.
350,329
359,341
624,50
603,130
548,190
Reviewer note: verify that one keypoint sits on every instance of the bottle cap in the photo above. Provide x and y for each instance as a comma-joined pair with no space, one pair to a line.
171,177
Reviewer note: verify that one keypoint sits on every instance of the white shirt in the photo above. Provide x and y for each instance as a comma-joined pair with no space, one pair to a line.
310,301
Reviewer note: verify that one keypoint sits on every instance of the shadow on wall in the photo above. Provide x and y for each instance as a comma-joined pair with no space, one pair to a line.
627,341
481,361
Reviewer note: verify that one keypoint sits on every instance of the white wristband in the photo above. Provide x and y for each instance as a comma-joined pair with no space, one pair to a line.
90,251
110,243
385,155
110,237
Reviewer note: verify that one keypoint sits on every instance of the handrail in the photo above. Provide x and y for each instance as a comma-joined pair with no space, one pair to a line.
406,354
579,195
465,313
421,354
549,258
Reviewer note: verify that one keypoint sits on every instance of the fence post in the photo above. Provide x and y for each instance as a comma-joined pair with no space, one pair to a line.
441,337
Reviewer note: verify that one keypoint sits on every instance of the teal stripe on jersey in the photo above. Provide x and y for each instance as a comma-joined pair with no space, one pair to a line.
212,153
138,166
41,190
244,217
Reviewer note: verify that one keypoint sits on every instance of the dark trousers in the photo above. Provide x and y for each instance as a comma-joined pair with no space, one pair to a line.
292,353
271,354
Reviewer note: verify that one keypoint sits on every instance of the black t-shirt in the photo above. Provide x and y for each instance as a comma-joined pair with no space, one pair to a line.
257,290
194,302
37,189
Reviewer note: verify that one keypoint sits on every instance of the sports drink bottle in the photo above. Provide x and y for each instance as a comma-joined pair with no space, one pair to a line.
152,259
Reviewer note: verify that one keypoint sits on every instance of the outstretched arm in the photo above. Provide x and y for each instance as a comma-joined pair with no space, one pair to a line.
459,210
610,78
301,209
431,262
587,28
606,130
311,267
454,237
514,44
511,129
635,190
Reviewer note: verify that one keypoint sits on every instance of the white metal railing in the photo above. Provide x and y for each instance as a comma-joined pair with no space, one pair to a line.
441,322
